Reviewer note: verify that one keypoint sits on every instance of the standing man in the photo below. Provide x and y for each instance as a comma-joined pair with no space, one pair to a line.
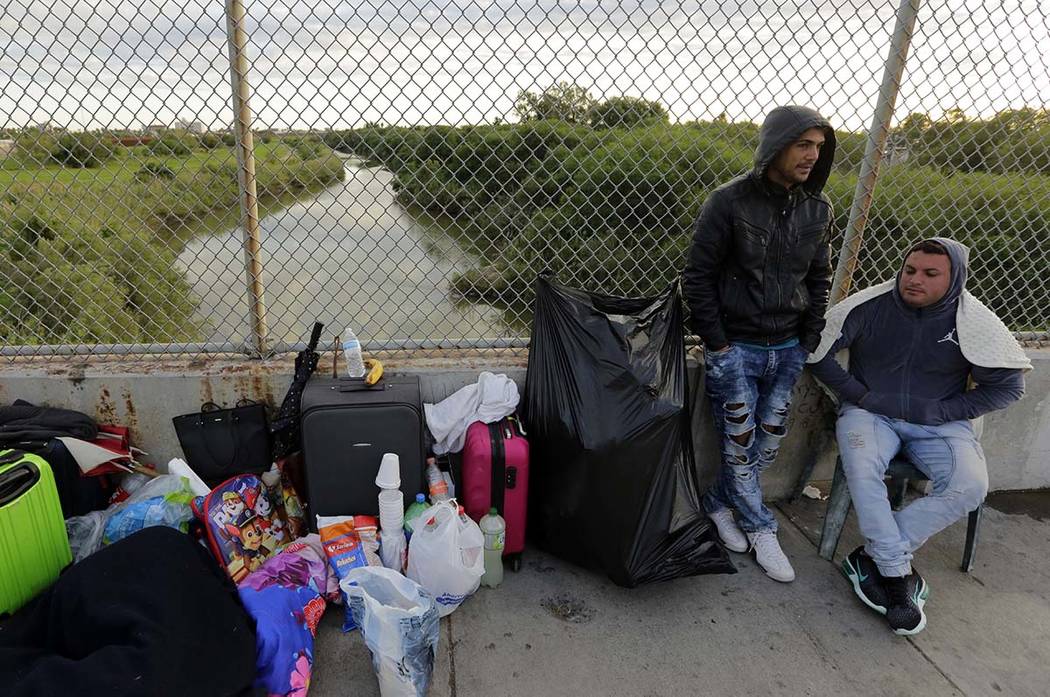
915,345
757,284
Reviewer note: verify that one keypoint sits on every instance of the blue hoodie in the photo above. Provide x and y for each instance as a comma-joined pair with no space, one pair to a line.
906,363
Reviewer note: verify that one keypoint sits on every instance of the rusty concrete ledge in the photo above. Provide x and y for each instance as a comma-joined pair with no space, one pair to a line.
145,393
77,367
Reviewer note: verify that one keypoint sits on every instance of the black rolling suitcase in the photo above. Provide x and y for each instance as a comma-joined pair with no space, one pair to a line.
346,429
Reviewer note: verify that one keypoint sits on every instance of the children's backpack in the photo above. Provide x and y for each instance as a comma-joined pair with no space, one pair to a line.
243,524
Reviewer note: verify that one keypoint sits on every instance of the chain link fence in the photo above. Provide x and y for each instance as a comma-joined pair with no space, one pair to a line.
201,177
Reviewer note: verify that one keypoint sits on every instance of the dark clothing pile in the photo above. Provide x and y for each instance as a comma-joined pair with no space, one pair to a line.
151,615
25,422
25,426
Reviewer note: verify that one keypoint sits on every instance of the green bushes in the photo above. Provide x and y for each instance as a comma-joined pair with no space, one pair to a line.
431,187
29,227
33,148
1015,140
196,192
626,112
106,272
87,150
612,208
155,169
63,285
610,203
632,185
563,101
285,171
171,145
308,148
211,141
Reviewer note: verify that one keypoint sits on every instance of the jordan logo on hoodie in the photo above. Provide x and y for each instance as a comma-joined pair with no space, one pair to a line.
949,337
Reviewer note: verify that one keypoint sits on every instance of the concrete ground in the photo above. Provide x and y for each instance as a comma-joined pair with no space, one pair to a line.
555,629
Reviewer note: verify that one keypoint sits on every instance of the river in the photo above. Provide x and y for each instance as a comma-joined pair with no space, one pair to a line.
351,256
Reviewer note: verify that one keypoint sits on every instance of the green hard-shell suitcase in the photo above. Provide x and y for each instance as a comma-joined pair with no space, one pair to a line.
34,546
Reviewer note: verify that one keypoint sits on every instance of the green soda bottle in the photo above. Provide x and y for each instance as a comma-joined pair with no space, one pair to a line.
415,509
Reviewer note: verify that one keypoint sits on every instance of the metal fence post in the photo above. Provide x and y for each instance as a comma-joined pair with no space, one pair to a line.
253,262
873,149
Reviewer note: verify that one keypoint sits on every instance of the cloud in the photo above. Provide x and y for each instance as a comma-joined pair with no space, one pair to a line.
339,64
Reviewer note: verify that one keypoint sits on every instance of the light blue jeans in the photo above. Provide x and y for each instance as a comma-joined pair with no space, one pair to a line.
750,391
948,454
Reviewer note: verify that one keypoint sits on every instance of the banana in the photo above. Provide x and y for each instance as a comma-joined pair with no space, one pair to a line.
375,371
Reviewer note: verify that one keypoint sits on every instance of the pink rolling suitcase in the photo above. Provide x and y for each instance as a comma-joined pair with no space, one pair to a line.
496,474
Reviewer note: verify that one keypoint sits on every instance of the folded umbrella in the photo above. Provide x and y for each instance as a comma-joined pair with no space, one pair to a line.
285,428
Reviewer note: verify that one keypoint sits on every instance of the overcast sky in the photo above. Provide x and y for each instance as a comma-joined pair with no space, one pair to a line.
330,63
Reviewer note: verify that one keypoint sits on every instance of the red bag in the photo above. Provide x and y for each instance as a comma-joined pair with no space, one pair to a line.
496,474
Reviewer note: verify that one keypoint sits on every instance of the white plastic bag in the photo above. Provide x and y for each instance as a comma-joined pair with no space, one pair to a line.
393,549
445,555
399,623
87,532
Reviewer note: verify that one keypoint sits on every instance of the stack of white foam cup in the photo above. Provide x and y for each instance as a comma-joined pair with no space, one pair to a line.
391,514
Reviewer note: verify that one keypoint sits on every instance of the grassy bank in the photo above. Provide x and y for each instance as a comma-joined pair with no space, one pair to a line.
611,209
88,253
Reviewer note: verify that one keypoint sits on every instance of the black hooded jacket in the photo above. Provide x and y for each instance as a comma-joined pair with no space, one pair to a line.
759,269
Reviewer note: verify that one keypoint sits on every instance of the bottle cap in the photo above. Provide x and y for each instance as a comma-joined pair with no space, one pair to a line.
420,498
461,510
493,511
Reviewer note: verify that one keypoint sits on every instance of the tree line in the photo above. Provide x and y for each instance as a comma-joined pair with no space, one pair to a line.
604,194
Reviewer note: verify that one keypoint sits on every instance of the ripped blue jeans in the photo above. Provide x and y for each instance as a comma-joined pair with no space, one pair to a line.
750,392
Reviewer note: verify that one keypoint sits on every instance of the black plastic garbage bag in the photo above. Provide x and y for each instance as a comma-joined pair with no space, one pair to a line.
612,482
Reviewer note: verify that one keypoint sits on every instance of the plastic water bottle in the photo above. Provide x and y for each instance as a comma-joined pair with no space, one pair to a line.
437,484
355,364
415,509
495,530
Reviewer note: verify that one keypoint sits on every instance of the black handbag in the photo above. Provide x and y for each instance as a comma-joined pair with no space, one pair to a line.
220,443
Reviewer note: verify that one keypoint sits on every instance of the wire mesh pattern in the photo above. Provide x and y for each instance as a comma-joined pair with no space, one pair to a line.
418,163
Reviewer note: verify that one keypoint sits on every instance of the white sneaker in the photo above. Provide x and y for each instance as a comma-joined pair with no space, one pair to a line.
731,534
770,557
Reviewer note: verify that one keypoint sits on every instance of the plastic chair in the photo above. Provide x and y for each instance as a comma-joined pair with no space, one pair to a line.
899,472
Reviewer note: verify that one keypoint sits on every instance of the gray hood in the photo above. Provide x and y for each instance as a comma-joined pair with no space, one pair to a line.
782,127
959,254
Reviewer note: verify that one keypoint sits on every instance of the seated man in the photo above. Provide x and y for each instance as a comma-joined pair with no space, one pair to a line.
915,345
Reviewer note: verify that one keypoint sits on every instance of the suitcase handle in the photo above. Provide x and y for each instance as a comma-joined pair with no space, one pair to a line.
514,419
17,481
8,457
363,388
